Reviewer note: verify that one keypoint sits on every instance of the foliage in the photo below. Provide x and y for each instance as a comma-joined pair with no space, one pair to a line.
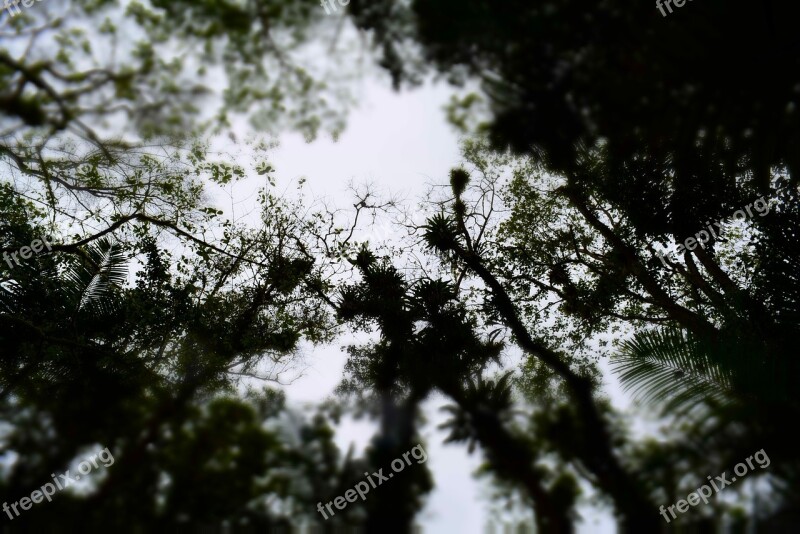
687,89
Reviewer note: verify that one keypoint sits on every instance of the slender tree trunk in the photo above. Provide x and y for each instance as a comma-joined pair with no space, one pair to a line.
389,510
513,460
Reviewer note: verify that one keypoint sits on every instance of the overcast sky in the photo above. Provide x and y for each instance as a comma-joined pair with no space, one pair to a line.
400,142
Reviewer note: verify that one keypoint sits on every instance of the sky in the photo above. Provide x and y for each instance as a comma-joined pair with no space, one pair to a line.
402,143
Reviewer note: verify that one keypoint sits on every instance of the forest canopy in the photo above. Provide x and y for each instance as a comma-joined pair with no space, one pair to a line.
624,210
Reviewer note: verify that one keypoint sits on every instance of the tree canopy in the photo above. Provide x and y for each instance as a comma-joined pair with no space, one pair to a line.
626,208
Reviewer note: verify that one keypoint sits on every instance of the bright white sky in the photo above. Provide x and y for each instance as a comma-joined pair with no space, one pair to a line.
400,142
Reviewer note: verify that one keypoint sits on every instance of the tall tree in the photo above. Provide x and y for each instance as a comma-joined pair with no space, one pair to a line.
710,83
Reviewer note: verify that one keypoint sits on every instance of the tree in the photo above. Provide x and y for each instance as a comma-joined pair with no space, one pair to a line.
149,355
141,363
563,262
710,85
157,66
429,342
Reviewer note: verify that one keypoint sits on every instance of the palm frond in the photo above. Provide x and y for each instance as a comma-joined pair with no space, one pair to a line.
93,280
673,369
9,296
669,369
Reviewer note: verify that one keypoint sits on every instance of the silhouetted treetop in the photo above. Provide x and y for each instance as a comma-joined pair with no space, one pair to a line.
719,77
